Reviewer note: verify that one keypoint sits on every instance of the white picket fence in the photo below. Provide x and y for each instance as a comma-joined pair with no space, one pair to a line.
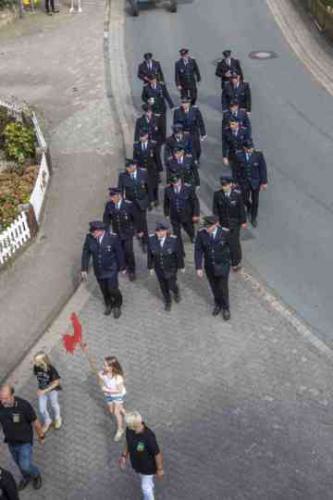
14,237
19,233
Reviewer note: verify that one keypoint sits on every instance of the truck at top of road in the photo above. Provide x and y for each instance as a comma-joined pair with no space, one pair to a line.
135,5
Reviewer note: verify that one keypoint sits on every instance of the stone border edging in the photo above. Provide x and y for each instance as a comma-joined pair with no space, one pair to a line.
302,42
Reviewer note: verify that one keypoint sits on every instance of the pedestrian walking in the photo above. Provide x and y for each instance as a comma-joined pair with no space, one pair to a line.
187,75
19,420
145,154
156,95
228,206
251,175
236,89
182,205
133,184
144,453
234,113
50,8
193,124
49,386
233,139
8,487
226,67
148,67
122,216
178,138
113,387
108,259
212,249
165,257
183,166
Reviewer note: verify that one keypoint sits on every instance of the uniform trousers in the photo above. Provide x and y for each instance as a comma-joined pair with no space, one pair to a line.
167,284
162,125
141,225
220,289
48,4
251,200
188,227
111,293
153,181
127,246
235,245
189,92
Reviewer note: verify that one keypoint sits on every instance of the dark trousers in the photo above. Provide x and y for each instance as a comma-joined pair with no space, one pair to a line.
22,455
190,93
48,4
111,293
153,182
167,284
188,227
141,225
251,200
162,125
127,246
235,245
220,289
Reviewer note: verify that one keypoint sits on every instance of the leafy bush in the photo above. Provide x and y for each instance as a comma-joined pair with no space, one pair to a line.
7,3
19,142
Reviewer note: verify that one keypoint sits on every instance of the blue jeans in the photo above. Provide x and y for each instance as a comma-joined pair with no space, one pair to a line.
22,454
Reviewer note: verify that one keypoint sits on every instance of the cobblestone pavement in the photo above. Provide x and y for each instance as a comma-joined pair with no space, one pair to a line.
242,409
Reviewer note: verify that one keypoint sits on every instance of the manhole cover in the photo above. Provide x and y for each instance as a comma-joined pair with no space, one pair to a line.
262,54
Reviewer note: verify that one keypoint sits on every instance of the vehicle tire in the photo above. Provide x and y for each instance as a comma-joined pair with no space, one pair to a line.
173,6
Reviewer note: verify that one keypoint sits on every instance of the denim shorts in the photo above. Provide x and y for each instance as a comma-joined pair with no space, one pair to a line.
114,399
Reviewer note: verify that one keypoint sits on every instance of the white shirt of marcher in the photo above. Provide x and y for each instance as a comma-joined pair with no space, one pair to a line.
213,233
162,240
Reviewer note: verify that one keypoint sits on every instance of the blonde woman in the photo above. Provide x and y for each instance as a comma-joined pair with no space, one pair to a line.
48,387
112,384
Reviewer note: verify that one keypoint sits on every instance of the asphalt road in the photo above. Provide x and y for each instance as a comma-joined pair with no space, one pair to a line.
292,121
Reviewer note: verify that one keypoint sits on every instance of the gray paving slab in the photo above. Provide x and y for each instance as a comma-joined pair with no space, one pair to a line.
242,410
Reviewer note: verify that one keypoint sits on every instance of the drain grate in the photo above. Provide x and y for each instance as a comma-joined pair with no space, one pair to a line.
262,54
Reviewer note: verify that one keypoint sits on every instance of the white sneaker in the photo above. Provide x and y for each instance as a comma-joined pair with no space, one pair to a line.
58,423
79,10
46,427
71,10
118,435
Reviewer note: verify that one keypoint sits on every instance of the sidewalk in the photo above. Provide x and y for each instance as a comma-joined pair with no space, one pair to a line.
57,65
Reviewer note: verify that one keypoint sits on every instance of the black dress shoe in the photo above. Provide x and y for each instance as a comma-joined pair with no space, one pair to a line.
156,203
254,222
55,11
132,276
216,310
37,482
108,310
226,314
23,483
116,312
177,297
167,306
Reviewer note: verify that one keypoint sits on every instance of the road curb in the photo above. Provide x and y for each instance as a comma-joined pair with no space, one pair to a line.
302,42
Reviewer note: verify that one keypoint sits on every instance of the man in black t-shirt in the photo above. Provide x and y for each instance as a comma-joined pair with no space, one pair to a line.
18,419
144,453
8,488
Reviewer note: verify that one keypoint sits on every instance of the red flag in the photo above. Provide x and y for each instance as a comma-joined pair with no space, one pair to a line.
71,341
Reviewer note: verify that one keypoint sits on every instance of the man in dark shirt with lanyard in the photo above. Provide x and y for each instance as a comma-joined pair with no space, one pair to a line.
144,453
18,419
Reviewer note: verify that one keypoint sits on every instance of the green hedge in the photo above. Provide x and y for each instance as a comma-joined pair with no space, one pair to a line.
7,3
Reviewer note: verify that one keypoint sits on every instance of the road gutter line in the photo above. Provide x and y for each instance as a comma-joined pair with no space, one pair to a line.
302,42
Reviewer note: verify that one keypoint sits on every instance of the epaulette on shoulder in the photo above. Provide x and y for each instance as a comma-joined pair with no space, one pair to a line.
225,229
178,107
237,190
151,235
128,201
201,229
187,184
173,236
